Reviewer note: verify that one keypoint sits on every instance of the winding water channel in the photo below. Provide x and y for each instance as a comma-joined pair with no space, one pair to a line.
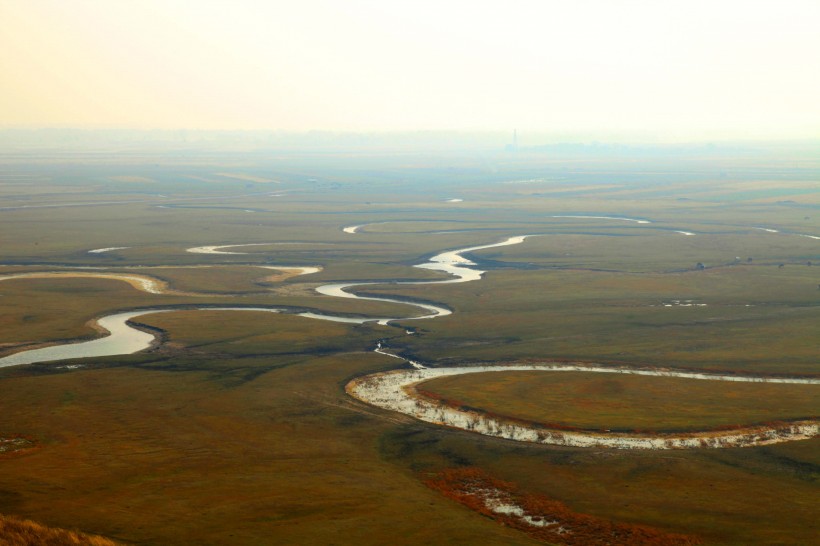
395,390
123,338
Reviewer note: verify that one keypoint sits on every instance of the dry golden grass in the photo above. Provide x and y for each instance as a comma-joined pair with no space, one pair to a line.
22,532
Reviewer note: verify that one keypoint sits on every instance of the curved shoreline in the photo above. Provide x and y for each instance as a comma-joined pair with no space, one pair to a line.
120,336
144,283
395,390
217,249
153,285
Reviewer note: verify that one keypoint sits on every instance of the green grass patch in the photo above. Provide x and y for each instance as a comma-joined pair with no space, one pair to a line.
625,402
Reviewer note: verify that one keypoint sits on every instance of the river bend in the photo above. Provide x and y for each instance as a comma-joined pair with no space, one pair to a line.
395,391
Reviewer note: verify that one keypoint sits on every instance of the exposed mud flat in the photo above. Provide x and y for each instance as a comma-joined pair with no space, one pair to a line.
108,249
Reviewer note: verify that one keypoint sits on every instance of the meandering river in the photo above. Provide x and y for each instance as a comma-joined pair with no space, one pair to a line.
394,390
123,338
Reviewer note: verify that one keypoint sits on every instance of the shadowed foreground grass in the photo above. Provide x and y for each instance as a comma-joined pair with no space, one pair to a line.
23,532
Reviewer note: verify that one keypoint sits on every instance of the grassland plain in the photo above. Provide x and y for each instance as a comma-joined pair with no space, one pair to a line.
237,430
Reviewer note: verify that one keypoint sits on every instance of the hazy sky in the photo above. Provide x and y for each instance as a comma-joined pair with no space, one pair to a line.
675,69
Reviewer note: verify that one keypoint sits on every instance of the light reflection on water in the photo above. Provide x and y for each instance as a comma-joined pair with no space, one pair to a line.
123,339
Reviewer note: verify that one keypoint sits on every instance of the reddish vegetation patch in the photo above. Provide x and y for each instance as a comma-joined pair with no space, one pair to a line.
15,444
22,532
543,518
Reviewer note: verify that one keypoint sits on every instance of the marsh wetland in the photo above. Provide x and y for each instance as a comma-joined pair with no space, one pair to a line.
264,287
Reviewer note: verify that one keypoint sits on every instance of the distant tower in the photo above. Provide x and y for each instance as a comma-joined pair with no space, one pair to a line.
514,146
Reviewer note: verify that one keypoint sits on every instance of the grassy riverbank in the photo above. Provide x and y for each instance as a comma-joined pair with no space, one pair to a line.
625,402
